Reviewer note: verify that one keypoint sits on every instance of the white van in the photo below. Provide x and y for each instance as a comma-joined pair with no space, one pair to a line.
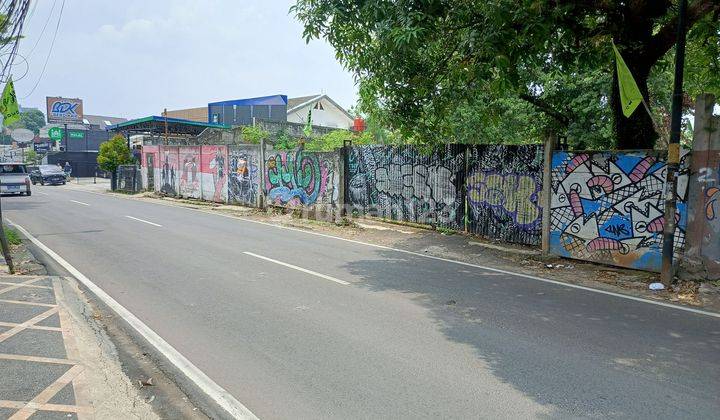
14,179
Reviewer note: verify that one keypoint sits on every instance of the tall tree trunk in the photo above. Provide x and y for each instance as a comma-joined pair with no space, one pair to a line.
636,132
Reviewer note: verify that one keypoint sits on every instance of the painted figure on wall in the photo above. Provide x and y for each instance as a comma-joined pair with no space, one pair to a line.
243,181
168,174
189,176
217,166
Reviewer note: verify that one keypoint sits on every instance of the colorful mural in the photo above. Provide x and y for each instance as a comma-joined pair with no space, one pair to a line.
402,183
299,178
503,192
244,175
168,170
189,179
214,168
149,167
609,207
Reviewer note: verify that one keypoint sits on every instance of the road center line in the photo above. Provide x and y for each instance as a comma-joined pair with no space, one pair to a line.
144,221
295,267
80,202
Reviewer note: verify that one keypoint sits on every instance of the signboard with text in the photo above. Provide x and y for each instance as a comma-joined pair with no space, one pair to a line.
42,147
64,110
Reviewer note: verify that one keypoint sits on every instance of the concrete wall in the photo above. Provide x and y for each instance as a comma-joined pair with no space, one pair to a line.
299,179
244,175
214,173
168,182
608,207
189,169
150,168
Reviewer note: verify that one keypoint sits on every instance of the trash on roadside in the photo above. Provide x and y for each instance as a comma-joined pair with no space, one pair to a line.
549,266
147,382
450,302
657,286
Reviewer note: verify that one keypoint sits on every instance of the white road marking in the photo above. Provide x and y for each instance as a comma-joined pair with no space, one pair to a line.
295,267
80,202
405,251
144,221
223,398
41,193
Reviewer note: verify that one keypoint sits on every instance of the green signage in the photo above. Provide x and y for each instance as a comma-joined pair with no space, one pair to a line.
55,133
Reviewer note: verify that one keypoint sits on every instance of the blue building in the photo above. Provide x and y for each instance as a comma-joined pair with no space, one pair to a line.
243,111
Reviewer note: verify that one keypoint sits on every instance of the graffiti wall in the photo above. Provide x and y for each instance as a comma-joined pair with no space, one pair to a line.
302,179
504,187
244,175
609,207
169,170
214,167
401,183
150,168
189,172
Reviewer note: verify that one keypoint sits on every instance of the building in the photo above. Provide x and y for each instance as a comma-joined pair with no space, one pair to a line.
325,112
274,109
81,144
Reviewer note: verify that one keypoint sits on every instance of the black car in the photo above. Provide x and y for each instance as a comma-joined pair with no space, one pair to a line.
48,174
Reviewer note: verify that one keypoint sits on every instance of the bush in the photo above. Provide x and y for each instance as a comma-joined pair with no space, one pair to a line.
254,134
336,139
114,153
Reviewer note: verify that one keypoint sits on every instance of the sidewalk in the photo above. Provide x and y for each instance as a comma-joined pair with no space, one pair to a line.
54,363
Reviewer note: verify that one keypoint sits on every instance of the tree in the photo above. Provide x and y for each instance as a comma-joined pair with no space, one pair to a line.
32,119
114,153
31,157
423,61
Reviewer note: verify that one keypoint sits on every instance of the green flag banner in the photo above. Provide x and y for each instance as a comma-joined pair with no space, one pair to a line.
8,105
630,96
307,130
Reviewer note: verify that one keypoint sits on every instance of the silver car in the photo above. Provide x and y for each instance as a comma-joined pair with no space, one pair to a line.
14,179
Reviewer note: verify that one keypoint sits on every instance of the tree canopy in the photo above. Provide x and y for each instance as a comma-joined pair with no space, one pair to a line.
114,153
428,67
32,119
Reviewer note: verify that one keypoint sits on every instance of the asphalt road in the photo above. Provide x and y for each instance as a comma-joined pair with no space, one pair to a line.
375,333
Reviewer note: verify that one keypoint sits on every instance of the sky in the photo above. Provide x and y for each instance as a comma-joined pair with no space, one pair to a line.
133,58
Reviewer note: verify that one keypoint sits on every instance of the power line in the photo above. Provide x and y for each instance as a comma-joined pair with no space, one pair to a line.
42,32
52,44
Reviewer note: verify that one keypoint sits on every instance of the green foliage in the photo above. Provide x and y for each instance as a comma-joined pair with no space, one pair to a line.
336,139
254,135
12,236
437,69
31,119
283,141
31,157
114,153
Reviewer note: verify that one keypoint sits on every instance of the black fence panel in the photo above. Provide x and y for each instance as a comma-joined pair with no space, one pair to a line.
128,179
408,184
504,185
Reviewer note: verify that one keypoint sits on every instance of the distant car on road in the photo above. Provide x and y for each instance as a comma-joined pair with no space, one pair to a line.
14,179
48,174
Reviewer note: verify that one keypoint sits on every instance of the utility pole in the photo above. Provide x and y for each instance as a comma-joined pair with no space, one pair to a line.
673,158
166,126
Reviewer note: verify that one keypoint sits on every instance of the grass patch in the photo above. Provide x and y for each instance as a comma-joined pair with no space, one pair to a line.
13,237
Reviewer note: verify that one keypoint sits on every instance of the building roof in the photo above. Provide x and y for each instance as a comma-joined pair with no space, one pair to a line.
156,124
102,120
294,102
303,101
262,100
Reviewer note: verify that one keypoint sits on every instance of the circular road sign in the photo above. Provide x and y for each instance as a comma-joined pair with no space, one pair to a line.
55,133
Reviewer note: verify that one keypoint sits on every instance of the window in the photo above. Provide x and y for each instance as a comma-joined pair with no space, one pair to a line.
12,169
319,106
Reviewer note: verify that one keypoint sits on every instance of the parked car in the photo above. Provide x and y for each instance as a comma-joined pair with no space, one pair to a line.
14,179
48,174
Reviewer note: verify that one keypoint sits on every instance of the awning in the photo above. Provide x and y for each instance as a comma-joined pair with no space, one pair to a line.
156,125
